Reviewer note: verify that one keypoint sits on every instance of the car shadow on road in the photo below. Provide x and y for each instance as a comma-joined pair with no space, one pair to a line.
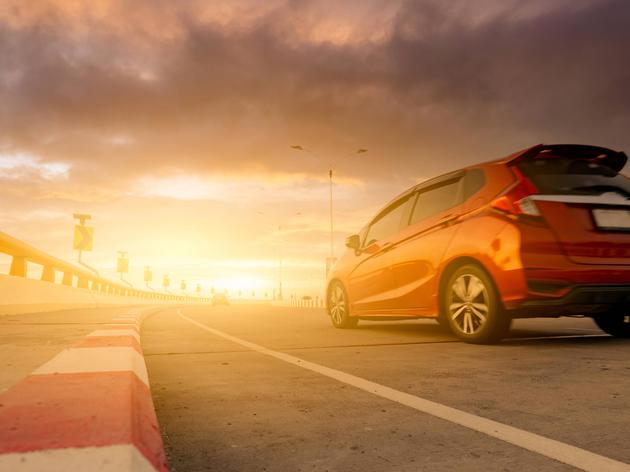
424,332
524,338
408,329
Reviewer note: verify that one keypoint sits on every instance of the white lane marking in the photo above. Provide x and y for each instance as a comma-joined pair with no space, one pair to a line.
115,332
96,359
123,457
562,452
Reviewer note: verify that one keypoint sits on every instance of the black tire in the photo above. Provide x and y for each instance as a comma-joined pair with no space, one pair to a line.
615,323
471,306
443,322
338,307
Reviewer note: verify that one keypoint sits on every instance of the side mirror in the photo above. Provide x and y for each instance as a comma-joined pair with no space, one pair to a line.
353,242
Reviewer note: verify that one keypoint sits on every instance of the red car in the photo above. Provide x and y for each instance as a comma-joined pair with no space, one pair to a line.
542,232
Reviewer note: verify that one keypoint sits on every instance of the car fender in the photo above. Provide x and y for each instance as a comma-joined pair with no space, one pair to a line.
494,244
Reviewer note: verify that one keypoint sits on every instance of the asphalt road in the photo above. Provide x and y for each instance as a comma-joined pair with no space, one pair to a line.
226,405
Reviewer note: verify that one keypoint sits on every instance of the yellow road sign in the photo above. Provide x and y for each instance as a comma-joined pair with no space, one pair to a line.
123,265
83,237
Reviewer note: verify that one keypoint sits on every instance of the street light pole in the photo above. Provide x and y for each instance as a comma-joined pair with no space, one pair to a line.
298,147
280,231
280,268
330,179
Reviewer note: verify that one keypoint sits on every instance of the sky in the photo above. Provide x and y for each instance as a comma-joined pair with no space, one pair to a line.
171,122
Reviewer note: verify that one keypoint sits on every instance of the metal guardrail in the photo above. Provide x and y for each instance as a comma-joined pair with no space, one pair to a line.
23,253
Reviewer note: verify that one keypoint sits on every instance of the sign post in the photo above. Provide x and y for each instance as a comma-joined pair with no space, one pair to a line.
148,276
83,239
122,266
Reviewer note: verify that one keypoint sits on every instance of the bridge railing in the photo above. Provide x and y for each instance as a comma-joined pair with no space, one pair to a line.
22,253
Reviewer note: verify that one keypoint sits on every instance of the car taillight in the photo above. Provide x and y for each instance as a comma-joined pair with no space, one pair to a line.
518,199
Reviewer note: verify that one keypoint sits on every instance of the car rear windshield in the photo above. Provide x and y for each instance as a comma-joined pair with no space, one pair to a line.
573,177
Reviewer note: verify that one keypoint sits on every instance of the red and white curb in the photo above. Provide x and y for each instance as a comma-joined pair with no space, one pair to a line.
87,409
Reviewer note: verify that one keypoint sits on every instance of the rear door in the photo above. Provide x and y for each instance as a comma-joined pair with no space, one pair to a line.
586,204
420,247
371,284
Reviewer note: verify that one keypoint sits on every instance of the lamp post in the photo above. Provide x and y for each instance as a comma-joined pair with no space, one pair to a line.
330,260
279,297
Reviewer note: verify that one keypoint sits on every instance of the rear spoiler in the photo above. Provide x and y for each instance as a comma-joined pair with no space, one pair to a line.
615,160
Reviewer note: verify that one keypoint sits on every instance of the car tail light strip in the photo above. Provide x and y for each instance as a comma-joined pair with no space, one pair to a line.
608,198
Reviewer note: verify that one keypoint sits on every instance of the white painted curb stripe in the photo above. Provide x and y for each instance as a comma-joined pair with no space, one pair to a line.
115,332
103,459
96,359
551,448
135,326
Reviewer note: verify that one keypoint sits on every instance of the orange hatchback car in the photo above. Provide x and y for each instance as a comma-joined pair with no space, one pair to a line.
542,232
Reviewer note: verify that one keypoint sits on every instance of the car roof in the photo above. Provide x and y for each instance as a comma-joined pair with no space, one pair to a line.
616,159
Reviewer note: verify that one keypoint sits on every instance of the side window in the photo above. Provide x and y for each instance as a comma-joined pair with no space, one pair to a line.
388,222
436,199
474,180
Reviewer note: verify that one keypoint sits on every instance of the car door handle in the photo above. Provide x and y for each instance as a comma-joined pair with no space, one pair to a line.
387,247
448,219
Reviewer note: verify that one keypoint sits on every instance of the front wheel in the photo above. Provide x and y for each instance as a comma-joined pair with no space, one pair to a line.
614,323
472,308
339,307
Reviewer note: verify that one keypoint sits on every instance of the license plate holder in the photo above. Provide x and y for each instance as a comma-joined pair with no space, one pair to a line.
612,219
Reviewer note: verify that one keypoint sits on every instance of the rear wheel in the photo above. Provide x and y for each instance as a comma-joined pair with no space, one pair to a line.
614,323
339,308
472,308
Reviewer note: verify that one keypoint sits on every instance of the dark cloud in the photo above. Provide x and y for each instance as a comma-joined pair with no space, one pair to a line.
442,88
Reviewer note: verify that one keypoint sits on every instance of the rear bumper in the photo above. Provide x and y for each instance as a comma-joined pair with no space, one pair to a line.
579,300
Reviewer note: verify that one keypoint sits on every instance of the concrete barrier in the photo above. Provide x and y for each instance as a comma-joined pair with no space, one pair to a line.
79,286
88,408
20,295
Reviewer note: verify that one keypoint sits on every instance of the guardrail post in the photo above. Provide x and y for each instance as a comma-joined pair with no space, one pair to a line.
18,267
48,274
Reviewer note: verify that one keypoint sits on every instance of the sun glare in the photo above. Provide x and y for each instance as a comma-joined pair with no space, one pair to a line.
245,285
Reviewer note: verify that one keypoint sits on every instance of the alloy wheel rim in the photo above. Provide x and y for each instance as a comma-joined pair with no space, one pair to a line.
468,307
337,304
